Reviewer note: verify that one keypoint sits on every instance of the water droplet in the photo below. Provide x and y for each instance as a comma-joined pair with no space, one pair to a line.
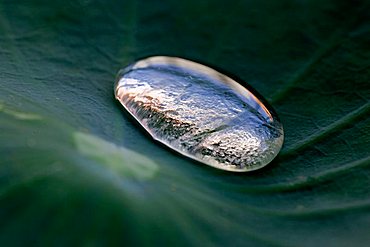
200,113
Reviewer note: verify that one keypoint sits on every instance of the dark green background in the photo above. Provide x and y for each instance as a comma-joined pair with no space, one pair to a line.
66,177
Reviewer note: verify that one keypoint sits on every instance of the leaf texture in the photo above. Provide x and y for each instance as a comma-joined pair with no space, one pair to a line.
64,180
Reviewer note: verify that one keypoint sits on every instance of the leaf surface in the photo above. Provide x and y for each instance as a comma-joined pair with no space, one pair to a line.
76,170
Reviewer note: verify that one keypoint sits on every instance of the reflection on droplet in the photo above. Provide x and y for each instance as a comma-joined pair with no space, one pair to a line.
200,113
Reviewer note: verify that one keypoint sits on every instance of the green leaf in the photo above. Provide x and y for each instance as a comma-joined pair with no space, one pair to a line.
120,160
76,170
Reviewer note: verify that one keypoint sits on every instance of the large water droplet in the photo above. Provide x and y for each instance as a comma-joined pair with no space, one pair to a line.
200,113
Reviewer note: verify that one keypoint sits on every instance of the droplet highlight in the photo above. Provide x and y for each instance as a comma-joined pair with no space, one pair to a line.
201,113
